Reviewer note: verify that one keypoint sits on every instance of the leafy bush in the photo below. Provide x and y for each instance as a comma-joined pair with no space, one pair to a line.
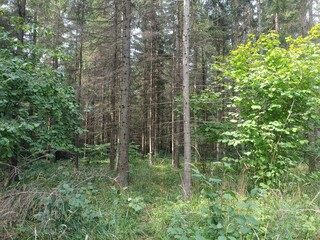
213,215
183,225
68,213
275,104
38,111
227,216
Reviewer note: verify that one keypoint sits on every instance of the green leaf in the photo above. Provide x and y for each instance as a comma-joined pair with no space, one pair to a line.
222,238
231,238
199,238
252,220
244,230
255,107
227,196
219,226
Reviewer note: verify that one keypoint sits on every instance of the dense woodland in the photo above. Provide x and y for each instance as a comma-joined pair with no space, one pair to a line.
142,119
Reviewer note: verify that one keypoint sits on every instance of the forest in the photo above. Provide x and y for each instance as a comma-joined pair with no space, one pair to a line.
167,119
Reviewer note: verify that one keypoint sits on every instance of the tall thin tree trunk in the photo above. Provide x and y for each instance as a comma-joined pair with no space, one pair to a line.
22,16
174,137
79,83
310,14
145,135
235,23
155,68
176,125
150,122
34,36
203,70
86,127
151,100
103,117
186,104
113,131
259,16
79,95
303,17
123,166
277,23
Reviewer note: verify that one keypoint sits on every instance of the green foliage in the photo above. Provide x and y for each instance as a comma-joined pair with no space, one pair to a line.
288,12
134,151
96,152
101,151
204,107
291,215
185,225
136,204
214,214
58,203
288,219
37,108
227,216
275,102
64,211
69,206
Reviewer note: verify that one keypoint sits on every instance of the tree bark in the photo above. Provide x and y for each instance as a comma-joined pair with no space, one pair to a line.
79,80
34,36
259,16
13,170
123,166
176,125
303,17
113,131
235,23
186,104
310,13
22,16
276,18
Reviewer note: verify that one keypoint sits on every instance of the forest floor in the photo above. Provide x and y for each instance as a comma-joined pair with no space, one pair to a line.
53,202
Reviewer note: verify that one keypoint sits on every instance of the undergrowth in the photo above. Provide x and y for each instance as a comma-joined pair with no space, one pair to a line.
53,202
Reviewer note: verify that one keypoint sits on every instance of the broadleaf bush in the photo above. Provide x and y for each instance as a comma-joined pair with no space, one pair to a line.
272,98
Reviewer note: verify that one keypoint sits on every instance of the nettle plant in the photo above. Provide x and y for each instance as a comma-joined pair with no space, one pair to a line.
275,103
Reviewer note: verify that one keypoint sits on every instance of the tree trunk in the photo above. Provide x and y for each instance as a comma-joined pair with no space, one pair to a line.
186,104
313,141
306,16
303,17
79,84
123,166
113,131
235,23
277,23
176,125
13,170
259,16
22,16
34,36
310,14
